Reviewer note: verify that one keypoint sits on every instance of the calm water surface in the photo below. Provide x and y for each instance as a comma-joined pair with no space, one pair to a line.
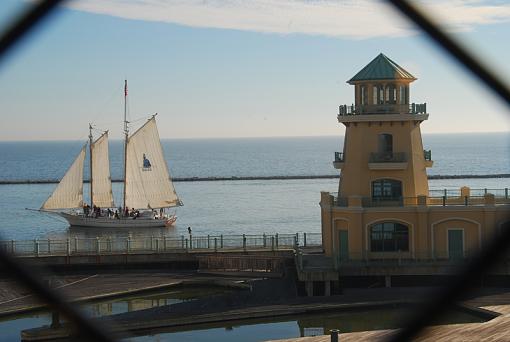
223,207
470,153
10,329
303,325
252,330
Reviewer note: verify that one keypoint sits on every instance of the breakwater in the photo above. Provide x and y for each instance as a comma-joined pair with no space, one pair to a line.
245,178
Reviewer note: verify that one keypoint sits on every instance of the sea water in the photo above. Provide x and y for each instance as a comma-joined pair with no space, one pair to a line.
229,207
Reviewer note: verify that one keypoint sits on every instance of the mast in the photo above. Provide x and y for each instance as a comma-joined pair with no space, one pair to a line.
126,132
90,165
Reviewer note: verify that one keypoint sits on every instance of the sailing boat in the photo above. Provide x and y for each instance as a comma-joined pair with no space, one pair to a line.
148,187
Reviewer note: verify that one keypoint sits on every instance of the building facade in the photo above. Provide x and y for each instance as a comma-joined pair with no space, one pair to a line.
384,208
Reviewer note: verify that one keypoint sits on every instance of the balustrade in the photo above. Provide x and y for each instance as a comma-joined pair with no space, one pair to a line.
387,108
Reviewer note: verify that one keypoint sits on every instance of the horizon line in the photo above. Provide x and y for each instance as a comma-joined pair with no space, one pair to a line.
249,137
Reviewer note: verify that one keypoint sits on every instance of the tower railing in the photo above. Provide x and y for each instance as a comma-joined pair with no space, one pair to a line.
388,157
386,108
435,199
339,157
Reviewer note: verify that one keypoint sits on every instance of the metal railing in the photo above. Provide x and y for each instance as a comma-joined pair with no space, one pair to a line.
427,154
386,108
339,157
152,244
343,201
387,157
498,193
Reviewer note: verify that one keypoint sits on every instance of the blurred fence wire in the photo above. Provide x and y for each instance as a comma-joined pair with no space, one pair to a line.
456,289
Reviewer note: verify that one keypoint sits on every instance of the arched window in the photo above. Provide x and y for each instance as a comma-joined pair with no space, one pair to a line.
374,95
386,190
389,237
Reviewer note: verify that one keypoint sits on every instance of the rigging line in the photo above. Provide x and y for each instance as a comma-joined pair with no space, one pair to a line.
147,117
102,113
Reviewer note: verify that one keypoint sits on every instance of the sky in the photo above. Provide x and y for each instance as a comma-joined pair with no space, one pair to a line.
235,68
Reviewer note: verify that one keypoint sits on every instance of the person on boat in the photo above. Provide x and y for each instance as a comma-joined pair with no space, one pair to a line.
116,215
135,214
126,212
146,162
97,211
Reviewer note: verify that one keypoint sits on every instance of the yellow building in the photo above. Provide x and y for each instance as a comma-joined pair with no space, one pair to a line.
384,209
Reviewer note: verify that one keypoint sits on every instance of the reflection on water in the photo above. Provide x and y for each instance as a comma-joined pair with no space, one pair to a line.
142,302
252,330
247,330
298,326
10,328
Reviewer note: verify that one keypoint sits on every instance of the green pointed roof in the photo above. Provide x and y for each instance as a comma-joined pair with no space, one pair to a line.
382,68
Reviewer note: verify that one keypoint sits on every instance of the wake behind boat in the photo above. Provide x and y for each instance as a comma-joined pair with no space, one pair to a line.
148,187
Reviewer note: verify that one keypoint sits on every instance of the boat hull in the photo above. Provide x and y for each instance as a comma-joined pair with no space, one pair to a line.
128,222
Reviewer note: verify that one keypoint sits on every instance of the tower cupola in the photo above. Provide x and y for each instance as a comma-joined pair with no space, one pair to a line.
383,157
381,87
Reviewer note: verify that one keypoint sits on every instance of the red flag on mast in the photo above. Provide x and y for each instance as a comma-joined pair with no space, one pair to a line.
125,88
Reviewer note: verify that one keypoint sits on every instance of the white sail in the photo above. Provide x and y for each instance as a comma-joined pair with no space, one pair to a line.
101,181
148,183
69,192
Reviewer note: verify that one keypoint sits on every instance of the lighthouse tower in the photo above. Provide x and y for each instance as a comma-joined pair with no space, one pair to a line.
383,158
384,211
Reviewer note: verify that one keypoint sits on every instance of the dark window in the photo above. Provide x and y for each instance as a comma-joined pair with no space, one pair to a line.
402,95
386,189
386,143
392,94
389,237
380,99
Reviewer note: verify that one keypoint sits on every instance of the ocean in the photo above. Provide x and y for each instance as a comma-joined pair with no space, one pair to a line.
234,206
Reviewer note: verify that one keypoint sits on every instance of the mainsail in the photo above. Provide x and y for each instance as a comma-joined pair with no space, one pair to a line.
69,192
101,181
148,183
